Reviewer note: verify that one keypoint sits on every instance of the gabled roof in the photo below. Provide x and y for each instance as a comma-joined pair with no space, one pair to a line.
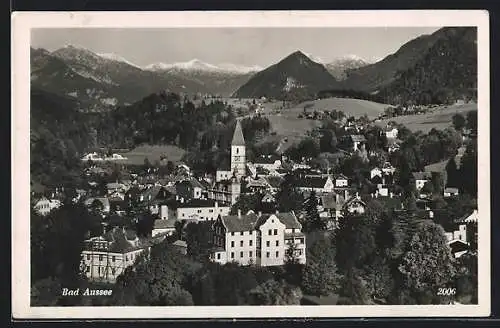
469,217
238,139
357,137
329,201
312,182
274,181
235,223
164,224
353,200
339,177
197,203
422,175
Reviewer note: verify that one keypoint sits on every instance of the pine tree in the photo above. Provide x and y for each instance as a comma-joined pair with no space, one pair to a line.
313,221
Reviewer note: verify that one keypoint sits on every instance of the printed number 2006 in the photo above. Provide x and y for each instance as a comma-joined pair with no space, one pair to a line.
446,291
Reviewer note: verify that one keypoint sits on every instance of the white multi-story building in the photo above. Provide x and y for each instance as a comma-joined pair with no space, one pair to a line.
105,257
44,205
201,210
260,239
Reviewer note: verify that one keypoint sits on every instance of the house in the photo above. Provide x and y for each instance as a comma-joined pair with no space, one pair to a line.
225,191
355,141
330,208
269,162
44,205
260,239
391,132
116,187
462,233
317,183
449,192
259,185
190,189
268,198
354,205
163,227
105,257
181,246
375,172
201,210
421,178
340,180
388,169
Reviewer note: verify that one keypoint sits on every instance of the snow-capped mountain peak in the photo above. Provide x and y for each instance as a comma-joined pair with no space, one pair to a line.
199,65
115,57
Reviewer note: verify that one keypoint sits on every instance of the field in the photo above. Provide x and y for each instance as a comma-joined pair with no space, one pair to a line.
289,127
153,153
351,107
440,118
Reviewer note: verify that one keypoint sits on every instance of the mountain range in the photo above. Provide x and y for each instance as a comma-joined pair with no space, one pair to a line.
437,67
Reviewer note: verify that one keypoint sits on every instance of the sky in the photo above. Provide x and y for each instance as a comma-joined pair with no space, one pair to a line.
243,46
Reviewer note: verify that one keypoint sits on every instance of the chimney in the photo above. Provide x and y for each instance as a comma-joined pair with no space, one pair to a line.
239,213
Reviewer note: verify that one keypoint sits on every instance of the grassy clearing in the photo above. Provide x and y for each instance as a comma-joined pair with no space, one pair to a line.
440,118
153,153
351,107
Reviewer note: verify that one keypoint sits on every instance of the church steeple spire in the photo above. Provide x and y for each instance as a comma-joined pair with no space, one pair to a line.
238,139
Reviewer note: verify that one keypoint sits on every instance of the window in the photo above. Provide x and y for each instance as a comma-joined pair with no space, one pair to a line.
100,257
275,232
251,232
113,271
182,214
270,232
277,254
232,243
88,269
277,242
232,255
241,233
126,258
267,254
237,150
301,240
99,270
241,254
113,258
199,211
232,233
241,243
218,256
211,211
88,257
268,243
250,242
250,254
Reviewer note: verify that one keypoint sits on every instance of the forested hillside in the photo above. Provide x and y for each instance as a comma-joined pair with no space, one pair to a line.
448,72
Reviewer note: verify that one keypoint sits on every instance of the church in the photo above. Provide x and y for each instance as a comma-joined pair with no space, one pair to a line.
227,185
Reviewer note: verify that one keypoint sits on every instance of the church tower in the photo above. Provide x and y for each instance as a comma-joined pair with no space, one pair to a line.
238,150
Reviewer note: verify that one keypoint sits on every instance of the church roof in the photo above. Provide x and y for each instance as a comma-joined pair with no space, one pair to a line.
238,139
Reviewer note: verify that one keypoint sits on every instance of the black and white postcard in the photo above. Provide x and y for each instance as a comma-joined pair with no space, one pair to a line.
201,164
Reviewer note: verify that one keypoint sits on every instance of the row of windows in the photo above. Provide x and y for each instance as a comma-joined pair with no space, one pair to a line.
250,243
101,270
270,232
250,254
242,233
113,258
